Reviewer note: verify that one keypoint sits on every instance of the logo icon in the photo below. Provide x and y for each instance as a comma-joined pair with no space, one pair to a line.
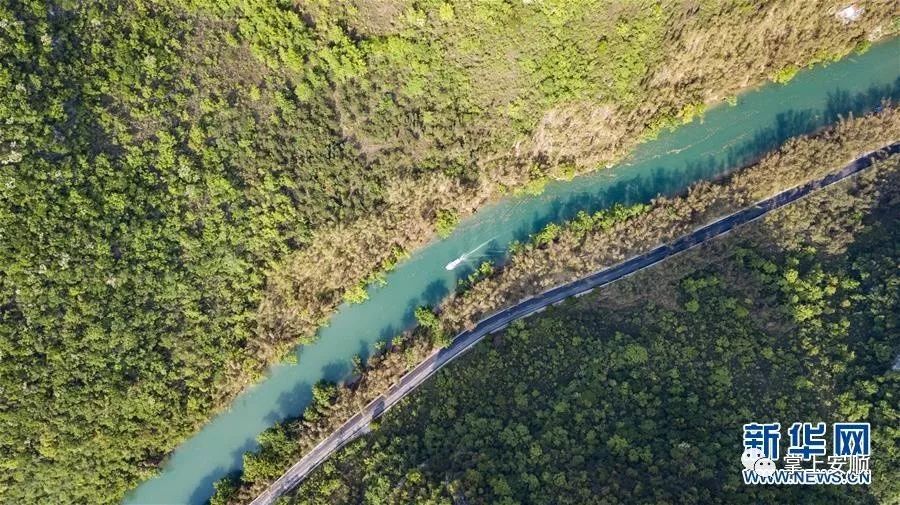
764,467
750,457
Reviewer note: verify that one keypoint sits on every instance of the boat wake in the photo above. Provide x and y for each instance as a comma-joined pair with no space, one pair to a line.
465,256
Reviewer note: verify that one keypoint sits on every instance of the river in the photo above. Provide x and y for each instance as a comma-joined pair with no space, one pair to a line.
727,137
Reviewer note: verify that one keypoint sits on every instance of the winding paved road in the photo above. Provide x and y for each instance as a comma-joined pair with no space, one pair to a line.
359,424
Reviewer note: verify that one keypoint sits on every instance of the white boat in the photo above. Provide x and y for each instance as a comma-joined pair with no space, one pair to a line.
455,263
458,261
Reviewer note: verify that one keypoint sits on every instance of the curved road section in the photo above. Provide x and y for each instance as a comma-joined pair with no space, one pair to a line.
359,423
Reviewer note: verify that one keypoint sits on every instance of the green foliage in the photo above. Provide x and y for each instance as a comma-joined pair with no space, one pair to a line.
225,489
431,322
323,394
602,220
691,111
672,121
275,447
784,75
357,293
446,222
484,271
863,47
534,187
634,46
547,235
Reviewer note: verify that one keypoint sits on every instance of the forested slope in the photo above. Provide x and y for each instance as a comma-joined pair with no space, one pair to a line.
637,392
188,188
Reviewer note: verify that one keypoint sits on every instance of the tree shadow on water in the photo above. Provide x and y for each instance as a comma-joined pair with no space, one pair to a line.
336,371
205,489
291,403
842,103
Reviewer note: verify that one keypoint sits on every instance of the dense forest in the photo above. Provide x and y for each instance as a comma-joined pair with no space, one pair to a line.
189,187
560,253
637,392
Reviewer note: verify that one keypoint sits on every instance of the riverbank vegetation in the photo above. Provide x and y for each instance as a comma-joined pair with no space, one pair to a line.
589,243
188,188
638,391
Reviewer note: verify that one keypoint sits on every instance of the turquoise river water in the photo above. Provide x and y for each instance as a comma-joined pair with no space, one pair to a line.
727,137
